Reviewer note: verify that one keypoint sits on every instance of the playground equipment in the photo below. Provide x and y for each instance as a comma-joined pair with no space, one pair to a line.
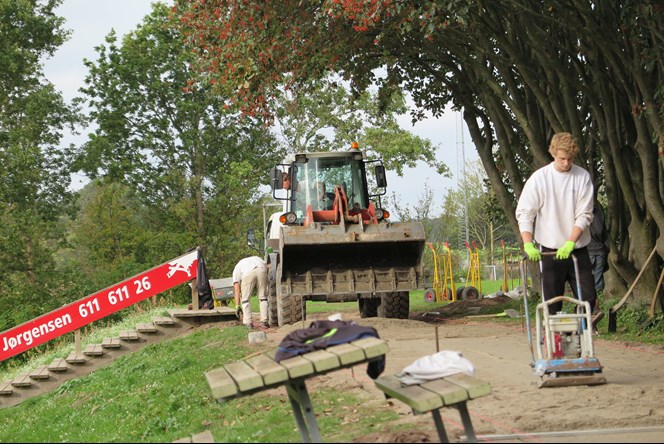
505,287
440,291
474,278
514,270
449,276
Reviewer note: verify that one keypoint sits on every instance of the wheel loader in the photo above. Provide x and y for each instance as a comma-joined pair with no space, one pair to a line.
333,241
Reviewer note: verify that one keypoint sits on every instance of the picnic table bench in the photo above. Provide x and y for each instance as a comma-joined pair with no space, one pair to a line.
430,396
261,372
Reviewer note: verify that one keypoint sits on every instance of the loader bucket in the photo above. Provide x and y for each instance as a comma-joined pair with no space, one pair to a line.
355,258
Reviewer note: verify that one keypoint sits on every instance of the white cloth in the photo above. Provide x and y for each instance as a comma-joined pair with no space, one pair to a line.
436,366
554,202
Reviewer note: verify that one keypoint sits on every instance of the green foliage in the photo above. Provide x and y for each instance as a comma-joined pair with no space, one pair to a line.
29,31
323,116
35,173
189,159
633,322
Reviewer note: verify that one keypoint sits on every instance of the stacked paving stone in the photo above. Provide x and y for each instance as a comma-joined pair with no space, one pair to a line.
80,363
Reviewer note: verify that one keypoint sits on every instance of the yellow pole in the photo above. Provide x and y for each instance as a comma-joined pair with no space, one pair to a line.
448,273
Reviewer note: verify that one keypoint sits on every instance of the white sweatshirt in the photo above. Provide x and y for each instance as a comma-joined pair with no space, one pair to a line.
557,202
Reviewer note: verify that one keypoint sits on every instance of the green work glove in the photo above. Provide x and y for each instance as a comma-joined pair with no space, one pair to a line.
564,251
532,252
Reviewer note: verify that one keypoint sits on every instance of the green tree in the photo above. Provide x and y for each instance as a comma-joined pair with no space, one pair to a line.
35,173
192,162
323,115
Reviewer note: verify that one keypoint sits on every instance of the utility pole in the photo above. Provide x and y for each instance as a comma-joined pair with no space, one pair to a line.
465,181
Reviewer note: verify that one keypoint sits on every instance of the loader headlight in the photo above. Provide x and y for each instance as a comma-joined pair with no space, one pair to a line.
382,214
288,218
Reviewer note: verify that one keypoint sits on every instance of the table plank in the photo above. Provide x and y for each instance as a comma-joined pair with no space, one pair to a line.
419,399
221,383
271,372
476,387
348,353
244,376
322,360
373,347
297,367
451,393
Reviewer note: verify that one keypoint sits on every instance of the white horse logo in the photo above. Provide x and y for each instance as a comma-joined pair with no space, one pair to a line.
182,264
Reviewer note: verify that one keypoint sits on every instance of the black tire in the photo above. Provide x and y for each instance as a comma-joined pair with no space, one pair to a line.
272,310
429,295
290,309
470,294
394,305
459,293
447,295
368,307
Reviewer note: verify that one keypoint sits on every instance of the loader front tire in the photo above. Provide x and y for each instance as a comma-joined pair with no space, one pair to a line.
290,309
272,310
394,305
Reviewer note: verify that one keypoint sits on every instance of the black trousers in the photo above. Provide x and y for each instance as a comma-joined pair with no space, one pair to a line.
555,273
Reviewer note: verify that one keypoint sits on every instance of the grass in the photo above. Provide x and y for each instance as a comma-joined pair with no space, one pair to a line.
159,393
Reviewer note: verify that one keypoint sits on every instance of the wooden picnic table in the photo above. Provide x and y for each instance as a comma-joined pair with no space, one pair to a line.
261,372
430,396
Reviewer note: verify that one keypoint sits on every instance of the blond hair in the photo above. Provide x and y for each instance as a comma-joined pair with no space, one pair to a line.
563,143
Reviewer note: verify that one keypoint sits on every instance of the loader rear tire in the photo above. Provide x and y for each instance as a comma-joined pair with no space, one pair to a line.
394,305
368,307
290,309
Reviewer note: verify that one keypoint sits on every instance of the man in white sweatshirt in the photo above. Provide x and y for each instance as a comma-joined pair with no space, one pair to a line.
555,210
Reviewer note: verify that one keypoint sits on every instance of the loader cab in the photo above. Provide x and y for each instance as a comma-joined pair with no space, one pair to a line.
311,179
314,179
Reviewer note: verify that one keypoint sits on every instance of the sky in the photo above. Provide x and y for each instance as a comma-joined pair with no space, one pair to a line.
91,20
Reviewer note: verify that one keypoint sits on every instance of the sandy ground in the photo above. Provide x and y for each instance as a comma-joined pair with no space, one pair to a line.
629,408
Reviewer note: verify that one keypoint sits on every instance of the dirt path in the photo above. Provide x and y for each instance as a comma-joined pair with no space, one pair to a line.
629,408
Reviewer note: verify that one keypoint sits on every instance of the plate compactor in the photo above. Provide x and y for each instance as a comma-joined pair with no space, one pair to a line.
564,341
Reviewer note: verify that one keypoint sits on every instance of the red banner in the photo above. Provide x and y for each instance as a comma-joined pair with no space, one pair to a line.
98,305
